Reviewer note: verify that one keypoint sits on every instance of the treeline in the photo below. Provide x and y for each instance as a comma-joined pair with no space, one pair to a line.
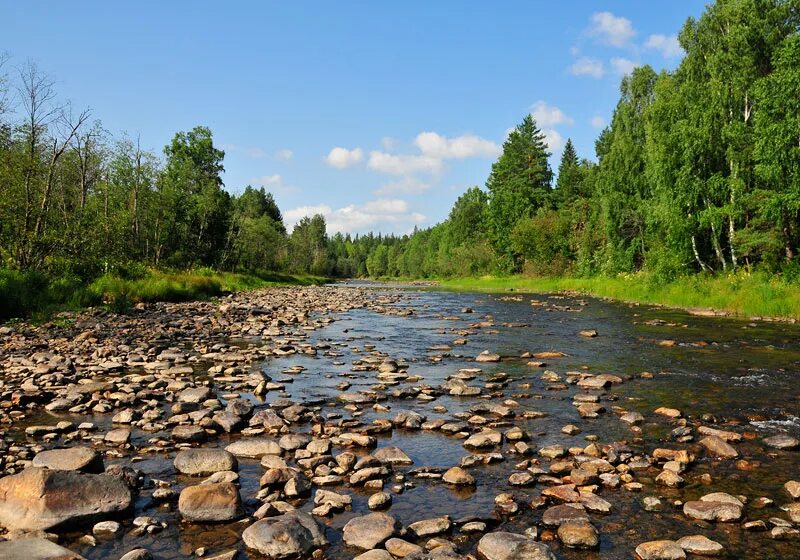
76,202
699,170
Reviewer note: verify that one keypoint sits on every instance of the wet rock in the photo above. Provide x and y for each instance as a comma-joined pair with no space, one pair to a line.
35,549
669,413
375,554
717,506
392,455
379,500
484,439
556,515
782,441
119,436
194,395
458,476
291,535
487,357
204,462
39,498
718,447
512,546
701,545
430,527
578,534
660,550
194,434
369,531
210,502
400,548
254,447
82,459
793,489
106,528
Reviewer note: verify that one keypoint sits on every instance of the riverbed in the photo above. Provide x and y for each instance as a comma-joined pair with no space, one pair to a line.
733,375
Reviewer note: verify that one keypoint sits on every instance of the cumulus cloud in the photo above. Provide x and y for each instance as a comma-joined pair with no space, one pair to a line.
460,147
406,185
342,157
403,164
284,155
270,180
610,29
598,121
668,46
587,67
553,139
623,66
376,215
388,143
549,115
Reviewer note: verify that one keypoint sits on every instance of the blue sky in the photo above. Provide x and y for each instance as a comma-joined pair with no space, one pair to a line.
377,114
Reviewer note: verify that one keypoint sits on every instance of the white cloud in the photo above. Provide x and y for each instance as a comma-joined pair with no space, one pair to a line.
406,185
342,157
403,164
549,115
256,153
598,121
460,147
285,154
623,66
588,67
668,46
553,139
611,30
376,215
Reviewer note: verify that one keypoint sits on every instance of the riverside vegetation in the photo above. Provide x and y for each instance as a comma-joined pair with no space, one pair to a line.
697,175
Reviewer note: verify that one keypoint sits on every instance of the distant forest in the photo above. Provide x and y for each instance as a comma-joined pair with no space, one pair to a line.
698,171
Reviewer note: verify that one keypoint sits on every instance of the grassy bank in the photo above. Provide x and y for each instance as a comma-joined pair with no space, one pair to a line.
746,295
27,294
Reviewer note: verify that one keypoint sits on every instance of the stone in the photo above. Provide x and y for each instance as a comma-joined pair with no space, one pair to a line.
793,489
669,413
578,534
400,548
369,531
512,546
106,528
701,545
458,477
718,447
430,527
292,535
35,549
714,507
254,447
210,502
660,550
782,441
194,434
392,455
487,357
82,459
484,439
119,436
379,500
204,461
40,498
374,554
556,515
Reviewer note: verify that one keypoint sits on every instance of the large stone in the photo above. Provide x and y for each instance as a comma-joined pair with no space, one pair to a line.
484,439
429,527
82,459
458,476
204,462
291,535
555,516
392,455
578,534
369,531
718,447
254,447
210,502
512,546
700,545
782,441
35,549
40,498
660,550
714,507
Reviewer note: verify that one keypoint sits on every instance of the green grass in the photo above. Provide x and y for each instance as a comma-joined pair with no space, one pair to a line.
32,294
741,294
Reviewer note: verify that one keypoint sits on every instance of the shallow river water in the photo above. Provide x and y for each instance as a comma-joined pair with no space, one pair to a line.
746,375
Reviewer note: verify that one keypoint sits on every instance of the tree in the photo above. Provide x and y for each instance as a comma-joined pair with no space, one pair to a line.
519,184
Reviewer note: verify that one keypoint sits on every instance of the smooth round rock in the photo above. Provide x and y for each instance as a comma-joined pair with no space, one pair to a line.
82,459
204,462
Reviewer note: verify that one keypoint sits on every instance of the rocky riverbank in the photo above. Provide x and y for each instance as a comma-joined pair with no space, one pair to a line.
120,428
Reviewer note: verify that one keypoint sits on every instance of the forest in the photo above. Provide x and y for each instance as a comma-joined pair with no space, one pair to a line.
698,172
